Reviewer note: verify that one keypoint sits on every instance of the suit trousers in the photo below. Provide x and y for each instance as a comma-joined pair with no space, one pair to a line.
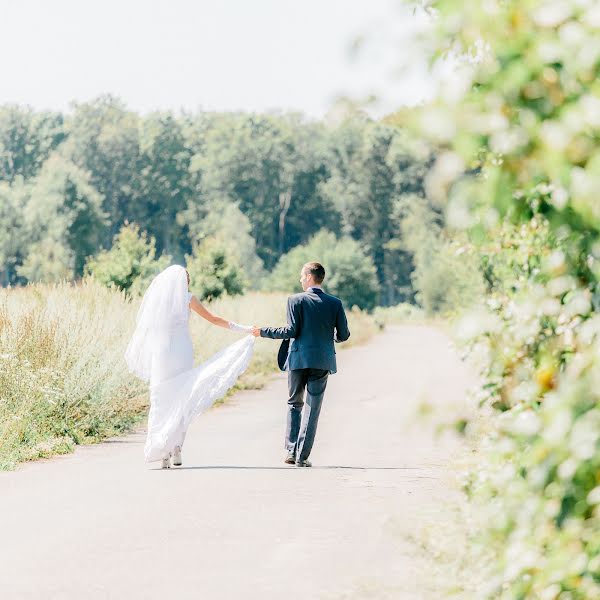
302,425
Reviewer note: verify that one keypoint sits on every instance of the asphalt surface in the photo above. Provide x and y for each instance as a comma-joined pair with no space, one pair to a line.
236,522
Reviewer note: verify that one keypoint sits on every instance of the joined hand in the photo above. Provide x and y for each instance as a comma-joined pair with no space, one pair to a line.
255,331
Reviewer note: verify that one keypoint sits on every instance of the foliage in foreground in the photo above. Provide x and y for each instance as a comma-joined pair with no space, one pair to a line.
521,169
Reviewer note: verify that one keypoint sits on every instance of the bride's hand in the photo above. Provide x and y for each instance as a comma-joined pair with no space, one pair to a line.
240,328
255,331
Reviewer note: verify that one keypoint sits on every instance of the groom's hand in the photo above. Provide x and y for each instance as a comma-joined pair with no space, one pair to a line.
255,331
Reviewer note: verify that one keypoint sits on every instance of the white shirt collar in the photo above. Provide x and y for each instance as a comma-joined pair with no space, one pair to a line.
314,287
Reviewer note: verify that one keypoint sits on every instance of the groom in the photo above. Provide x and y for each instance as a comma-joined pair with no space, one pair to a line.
313,317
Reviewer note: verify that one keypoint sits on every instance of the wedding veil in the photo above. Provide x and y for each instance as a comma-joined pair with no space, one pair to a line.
165,305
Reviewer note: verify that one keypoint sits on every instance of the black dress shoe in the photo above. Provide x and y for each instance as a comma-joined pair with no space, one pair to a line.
290,459
303,463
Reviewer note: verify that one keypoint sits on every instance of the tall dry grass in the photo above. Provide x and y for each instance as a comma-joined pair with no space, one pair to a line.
63,379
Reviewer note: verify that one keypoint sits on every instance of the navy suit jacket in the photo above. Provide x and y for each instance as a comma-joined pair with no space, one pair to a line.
315,320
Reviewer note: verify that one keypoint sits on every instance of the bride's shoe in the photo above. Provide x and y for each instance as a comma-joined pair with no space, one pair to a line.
166,462
177,456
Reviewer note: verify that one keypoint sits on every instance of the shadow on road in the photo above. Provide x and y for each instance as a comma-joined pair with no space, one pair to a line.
291,467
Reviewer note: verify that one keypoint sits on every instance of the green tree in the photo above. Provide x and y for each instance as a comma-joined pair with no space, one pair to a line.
271,168
350,274
213,271
130,264
446,278
164,181
228,225
262,184
372,166
14,240
27,138
64,222
103,139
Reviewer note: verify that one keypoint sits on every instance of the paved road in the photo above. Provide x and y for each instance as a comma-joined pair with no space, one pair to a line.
235,522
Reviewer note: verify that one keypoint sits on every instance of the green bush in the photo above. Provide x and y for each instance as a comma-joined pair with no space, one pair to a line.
226,224
131,263
214,271
350,273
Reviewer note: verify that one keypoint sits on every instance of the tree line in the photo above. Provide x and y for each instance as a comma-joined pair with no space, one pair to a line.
261,185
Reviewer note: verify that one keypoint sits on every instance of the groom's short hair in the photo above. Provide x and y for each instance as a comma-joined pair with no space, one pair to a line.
317,270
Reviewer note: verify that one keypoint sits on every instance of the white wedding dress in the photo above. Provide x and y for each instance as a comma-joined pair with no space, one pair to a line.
178,390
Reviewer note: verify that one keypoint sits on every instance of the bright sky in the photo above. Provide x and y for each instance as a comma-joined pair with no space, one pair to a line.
253,55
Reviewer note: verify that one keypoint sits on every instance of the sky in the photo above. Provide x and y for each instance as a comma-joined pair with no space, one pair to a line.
250,55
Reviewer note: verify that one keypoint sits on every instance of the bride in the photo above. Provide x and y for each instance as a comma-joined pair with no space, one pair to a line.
160,352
